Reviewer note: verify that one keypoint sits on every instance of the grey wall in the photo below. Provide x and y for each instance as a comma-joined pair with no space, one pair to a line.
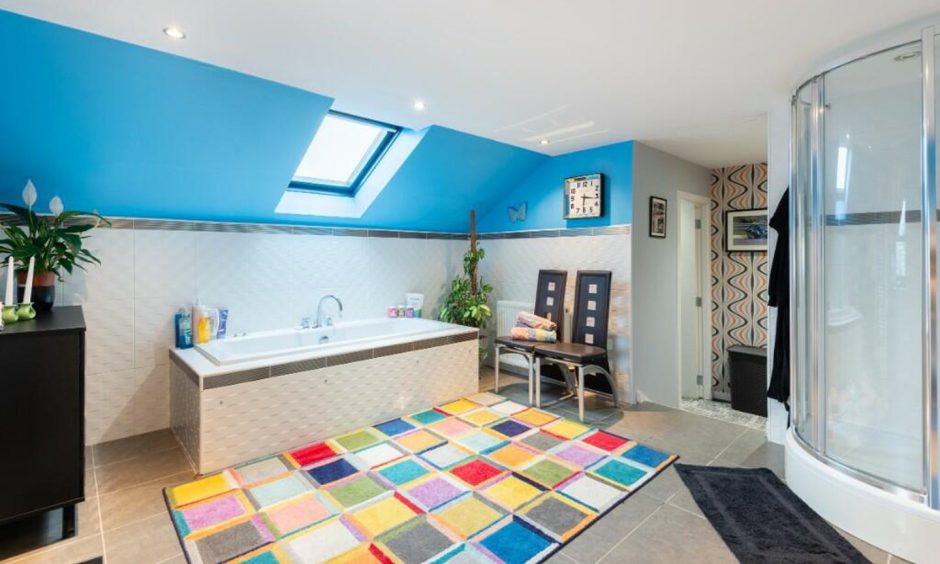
655,325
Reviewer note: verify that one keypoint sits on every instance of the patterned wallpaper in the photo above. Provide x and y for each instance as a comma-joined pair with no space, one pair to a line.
738,279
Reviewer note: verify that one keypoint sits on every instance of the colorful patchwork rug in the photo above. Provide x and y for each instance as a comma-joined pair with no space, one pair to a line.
480,479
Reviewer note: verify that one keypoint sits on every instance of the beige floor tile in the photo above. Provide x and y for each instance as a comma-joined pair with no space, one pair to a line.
706,437
149,540
65,552
139,469
599,538
768,455
683,500
88,518
742,447
135,503
130,447
672,535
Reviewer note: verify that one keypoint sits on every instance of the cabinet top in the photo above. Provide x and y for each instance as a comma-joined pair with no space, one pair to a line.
60,319
742,349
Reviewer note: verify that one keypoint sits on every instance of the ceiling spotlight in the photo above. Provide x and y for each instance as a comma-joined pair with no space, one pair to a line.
174,32
419,106
544,141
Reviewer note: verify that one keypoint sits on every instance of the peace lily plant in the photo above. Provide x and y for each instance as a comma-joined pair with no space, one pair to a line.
56,242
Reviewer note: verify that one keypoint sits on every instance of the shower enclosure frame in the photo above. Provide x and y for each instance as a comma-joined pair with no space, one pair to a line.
807,279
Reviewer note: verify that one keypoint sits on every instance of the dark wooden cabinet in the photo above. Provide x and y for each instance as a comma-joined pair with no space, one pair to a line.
42,423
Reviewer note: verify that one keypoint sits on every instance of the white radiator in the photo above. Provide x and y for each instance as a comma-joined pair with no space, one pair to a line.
505,318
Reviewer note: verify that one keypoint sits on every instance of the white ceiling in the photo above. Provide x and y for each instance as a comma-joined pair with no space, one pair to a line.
689,77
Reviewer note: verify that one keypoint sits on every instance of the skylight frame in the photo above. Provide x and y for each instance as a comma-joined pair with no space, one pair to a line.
365,168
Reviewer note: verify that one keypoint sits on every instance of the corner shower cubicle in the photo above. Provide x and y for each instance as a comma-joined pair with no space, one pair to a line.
865,353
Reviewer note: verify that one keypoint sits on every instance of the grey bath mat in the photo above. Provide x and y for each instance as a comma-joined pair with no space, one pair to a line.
761,520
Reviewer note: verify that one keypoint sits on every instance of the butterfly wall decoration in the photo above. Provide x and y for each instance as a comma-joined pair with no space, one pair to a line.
517,214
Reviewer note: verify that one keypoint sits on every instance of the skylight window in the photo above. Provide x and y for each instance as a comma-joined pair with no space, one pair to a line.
343,152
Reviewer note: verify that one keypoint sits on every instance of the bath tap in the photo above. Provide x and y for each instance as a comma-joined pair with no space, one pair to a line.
327,321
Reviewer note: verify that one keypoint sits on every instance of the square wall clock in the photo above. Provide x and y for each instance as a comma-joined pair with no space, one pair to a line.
584,196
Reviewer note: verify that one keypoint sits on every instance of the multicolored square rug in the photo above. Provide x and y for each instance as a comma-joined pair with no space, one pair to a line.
480,479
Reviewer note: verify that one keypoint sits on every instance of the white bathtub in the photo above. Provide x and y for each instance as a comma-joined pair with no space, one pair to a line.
287,342
240,398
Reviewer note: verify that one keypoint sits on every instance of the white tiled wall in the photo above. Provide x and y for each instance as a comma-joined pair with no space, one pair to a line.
271,280
267,280
512,266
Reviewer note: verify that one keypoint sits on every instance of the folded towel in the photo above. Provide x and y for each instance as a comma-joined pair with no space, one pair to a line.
532,334
526,319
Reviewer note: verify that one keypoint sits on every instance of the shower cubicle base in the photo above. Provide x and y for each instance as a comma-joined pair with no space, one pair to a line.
903,527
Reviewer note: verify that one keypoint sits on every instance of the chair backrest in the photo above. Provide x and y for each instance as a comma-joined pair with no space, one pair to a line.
591,308
591,316
550,297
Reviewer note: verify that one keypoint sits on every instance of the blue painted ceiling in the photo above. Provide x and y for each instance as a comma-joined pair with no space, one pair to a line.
134,132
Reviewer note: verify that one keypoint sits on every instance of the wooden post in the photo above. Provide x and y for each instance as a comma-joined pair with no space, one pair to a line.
473,249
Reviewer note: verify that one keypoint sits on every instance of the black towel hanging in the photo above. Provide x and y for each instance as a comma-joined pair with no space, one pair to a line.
779,297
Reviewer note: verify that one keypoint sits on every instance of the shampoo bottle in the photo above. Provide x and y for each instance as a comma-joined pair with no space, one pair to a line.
202,325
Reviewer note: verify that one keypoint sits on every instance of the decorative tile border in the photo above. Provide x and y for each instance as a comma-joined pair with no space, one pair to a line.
244,376
575,232
232,227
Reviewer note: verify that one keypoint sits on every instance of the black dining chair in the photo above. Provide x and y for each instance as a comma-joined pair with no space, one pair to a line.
585,357
549,303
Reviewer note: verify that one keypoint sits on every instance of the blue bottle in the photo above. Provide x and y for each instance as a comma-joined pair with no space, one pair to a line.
184,329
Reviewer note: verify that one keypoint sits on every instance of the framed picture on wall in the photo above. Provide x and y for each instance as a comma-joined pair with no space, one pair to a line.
746,230
657,217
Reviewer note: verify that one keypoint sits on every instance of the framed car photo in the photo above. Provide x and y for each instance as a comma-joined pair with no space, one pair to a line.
746,230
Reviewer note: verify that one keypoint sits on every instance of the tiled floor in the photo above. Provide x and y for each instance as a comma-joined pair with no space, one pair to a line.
125,520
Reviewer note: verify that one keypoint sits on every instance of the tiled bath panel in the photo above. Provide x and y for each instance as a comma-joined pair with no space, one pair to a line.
266,280
512,267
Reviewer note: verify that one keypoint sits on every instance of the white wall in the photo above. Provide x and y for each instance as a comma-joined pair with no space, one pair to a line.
655,326
267,280
512,267
778,178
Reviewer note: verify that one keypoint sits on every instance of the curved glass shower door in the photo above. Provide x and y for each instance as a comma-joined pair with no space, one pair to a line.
873,268
859,267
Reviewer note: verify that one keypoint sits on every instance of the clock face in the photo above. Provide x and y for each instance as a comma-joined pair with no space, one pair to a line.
583,196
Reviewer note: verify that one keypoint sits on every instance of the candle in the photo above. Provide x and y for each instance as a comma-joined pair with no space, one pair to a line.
28,293
9,298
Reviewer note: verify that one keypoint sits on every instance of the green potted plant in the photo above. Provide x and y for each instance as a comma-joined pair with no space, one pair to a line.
466,302
55,240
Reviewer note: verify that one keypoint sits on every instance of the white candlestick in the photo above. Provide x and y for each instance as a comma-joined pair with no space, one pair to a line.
9,298
28,293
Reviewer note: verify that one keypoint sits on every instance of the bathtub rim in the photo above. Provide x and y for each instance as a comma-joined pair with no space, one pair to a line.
429,326
202,370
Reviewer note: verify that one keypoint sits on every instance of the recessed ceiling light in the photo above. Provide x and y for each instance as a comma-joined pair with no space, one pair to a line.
419,105
544,141
174,32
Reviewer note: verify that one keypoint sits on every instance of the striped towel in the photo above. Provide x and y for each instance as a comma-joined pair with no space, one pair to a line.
526,319
531,334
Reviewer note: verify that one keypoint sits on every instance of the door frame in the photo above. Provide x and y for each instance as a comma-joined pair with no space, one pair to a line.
705,256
